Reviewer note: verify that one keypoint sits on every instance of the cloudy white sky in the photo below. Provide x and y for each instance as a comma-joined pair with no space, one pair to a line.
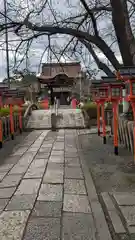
63,8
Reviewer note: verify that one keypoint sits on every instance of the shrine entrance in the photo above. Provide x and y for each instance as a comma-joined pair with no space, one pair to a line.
63,96
58,80
60,87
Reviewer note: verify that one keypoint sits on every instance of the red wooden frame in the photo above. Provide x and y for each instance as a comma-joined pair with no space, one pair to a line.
112,97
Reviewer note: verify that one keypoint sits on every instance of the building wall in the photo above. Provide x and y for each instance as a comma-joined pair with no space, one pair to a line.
53,69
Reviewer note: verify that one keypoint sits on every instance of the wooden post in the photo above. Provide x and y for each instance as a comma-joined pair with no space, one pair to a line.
115,126
98,118
1,133
133,107
103,123
1,104
11,121
20,119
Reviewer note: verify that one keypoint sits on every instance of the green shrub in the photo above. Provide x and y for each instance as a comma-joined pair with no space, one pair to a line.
91,109
5,111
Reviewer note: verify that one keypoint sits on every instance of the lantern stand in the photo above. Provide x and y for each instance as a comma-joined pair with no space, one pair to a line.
1,125
115,126
11,121
11,95
10,102
133,108
1,134
127,74
20,119
102,97
103,120
115,99
20,102
94,92
98,117
115,96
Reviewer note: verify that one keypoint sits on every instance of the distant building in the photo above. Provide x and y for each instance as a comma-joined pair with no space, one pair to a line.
59,79
3,86
82,87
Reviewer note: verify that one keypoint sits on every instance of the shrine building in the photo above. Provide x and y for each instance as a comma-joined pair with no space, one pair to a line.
59,79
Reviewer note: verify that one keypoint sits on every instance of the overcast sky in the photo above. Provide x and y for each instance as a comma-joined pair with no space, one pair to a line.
40,44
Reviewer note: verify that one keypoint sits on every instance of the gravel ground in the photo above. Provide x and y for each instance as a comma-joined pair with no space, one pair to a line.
110,172
9,145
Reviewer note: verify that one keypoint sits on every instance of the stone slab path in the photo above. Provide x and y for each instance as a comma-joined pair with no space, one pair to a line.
47,193
47,190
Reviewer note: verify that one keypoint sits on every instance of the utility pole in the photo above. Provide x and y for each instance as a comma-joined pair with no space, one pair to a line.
6,41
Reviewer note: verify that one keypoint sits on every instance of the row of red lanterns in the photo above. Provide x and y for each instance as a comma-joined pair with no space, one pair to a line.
111,90
12,98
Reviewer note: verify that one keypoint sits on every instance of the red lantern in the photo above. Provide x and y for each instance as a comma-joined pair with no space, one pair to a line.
100,96
95,97
115,96
19,101
115,91
9,101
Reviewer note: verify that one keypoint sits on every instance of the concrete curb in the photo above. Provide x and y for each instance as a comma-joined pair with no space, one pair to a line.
57,128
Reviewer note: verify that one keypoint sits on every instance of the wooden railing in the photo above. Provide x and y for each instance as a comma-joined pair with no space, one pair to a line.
126,133
6,130
6,126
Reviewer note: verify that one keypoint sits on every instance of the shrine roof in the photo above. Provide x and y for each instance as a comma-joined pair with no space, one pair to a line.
53,71
3,85
62,64
106,80
53,78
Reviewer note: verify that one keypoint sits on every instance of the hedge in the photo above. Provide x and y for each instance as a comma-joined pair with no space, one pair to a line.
91,109
5,111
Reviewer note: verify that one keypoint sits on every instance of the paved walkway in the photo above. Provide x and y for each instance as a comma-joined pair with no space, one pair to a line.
47,191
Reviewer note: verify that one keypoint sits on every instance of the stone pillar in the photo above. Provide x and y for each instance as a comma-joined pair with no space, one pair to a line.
53,121
125,104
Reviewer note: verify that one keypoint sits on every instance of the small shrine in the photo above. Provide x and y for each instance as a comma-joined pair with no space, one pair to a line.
58,79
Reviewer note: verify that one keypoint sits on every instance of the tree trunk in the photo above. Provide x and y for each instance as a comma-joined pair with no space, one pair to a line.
123,31
129,32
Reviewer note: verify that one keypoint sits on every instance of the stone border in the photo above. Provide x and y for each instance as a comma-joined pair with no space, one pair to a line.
57,128
89,122
86,118
28,113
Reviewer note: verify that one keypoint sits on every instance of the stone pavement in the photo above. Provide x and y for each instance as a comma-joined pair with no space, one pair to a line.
120,208
67,118
46,191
